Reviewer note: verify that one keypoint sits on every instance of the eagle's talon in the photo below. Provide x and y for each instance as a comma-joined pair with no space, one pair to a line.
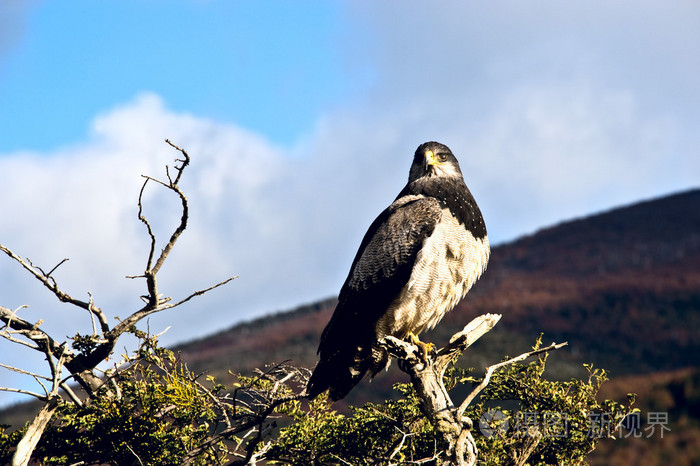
426,349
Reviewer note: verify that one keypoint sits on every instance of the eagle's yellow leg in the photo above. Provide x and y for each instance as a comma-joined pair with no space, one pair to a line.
425,348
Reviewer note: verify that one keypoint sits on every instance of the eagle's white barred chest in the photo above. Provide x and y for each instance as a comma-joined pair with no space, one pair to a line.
446,267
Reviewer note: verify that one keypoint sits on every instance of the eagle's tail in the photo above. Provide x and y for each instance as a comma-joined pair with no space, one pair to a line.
344,369
337,374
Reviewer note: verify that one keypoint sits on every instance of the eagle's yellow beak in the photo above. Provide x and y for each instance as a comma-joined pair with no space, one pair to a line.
430,158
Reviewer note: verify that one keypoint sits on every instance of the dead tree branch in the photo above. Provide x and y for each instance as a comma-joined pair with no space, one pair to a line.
427,379
491,369
91,350
26,445
249,412
49,282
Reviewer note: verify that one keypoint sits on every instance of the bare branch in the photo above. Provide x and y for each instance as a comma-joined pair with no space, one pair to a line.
44,278
71,394
161,305
83,365
21,371
216,401
8,335
340,459
49,282
398,448
173,186
144,220
154,303
254,421
185,161
491,369
134,453
23,392
464,339
178,231
30,331
200,292
57,266
97,312
29,440
26,446
80,366
12,313
281,381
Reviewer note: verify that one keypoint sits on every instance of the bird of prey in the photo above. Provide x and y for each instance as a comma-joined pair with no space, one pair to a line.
418,259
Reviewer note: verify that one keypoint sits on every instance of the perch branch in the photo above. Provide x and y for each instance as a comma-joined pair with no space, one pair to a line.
427,380
464,339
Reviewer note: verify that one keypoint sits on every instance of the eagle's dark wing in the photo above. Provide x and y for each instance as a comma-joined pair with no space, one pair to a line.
381,268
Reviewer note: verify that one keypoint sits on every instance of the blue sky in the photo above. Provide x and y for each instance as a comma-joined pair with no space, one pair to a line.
268,66
301,119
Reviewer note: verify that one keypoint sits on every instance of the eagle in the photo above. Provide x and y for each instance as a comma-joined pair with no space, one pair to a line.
418,259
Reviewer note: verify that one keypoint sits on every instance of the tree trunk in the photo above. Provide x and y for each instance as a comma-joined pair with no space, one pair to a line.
26,446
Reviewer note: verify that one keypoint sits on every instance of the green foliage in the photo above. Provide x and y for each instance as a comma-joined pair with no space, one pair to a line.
156,412
565,415
7,442
395,430
153,412
157,417
560,428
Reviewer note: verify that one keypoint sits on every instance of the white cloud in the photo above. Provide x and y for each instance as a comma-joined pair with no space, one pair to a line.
568,150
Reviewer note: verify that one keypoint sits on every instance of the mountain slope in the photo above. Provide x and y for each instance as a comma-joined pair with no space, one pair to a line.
623,287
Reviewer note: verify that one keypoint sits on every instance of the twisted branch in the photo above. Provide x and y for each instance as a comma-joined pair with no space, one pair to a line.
83,365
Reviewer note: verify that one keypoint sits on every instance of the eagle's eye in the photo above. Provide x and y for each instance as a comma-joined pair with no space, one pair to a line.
442,157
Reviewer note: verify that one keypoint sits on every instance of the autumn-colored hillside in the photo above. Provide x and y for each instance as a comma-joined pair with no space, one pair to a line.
673,394
622,287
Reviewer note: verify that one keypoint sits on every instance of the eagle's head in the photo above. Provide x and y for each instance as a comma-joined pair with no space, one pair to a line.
434,159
